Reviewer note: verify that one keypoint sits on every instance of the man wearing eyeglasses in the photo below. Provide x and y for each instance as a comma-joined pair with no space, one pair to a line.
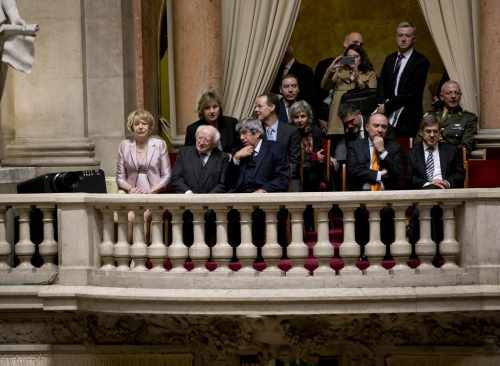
435,165
458,126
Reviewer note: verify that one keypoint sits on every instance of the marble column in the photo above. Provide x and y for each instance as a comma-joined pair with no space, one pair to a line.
50,113
196,68
489,132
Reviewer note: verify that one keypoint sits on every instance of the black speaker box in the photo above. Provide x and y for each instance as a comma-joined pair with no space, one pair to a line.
89,181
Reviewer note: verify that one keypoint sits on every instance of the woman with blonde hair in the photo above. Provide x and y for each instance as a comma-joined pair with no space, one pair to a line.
143,165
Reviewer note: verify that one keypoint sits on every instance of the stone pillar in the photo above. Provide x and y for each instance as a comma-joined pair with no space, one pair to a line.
196,68
50,115
489,133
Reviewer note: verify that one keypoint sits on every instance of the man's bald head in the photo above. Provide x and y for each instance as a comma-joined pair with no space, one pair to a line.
353,38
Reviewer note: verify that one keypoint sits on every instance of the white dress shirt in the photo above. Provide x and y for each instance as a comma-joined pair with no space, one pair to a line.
402,66
437,163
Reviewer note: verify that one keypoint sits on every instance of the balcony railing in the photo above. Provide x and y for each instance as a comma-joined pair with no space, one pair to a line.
100,243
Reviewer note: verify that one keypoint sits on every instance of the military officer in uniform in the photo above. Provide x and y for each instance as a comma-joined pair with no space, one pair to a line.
458,127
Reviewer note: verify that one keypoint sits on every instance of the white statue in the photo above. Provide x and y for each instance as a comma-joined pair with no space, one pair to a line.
16,40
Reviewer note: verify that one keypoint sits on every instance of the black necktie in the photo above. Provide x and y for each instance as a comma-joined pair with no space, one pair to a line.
398,65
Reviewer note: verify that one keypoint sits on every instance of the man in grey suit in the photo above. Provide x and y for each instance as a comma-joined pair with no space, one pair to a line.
201,168
285,134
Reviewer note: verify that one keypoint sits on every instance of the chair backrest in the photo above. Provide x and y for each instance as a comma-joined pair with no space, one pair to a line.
483,173
466,167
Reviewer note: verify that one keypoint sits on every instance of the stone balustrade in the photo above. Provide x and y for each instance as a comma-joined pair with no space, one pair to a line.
351,239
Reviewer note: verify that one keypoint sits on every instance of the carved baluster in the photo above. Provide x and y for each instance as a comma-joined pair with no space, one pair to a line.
138,249
48,247
121,250
349,249
425,246
297,250
323,250
5,248
401,248
271,251
246,251
177,251
375,249
199,251
157,251
222,251
449,247
106,246
24,248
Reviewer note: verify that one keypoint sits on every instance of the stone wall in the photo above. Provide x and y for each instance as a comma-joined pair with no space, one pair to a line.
360,340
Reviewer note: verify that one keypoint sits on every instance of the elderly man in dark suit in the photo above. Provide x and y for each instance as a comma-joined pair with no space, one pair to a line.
261,165
374,162
435,165
201,168
401,84
285,134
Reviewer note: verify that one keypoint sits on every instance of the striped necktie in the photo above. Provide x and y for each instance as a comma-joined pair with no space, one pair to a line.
429,164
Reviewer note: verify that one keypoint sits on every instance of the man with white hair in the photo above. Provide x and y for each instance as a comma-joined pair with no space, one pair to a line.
201,168
261,165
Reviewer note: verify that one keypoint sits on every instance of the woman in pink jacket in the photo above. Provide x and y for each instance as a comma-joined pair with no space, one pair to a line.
143,165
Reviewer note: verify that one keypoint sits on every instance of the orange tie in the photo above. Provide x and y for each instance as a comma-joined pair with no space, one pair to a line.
375,166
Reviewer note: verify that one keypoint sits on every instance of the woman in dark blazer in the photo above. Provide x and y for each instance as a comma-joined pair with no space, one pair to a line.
210,113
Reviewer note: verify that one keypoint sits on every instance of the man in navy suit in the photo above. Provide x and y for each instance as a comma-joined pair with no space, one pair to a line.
285,134
434,164
261,165
401,83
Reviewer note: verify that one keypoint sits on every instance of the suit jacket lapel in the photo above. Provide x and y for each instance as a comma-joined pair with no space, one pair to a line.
259,157
366,151
421,159
280,132
133,154
194,164
443,161
406,71
152,147
207,168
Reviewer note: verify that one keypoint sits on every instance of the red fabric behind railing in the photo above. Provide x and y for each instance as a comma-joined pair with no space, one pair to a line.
484,173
